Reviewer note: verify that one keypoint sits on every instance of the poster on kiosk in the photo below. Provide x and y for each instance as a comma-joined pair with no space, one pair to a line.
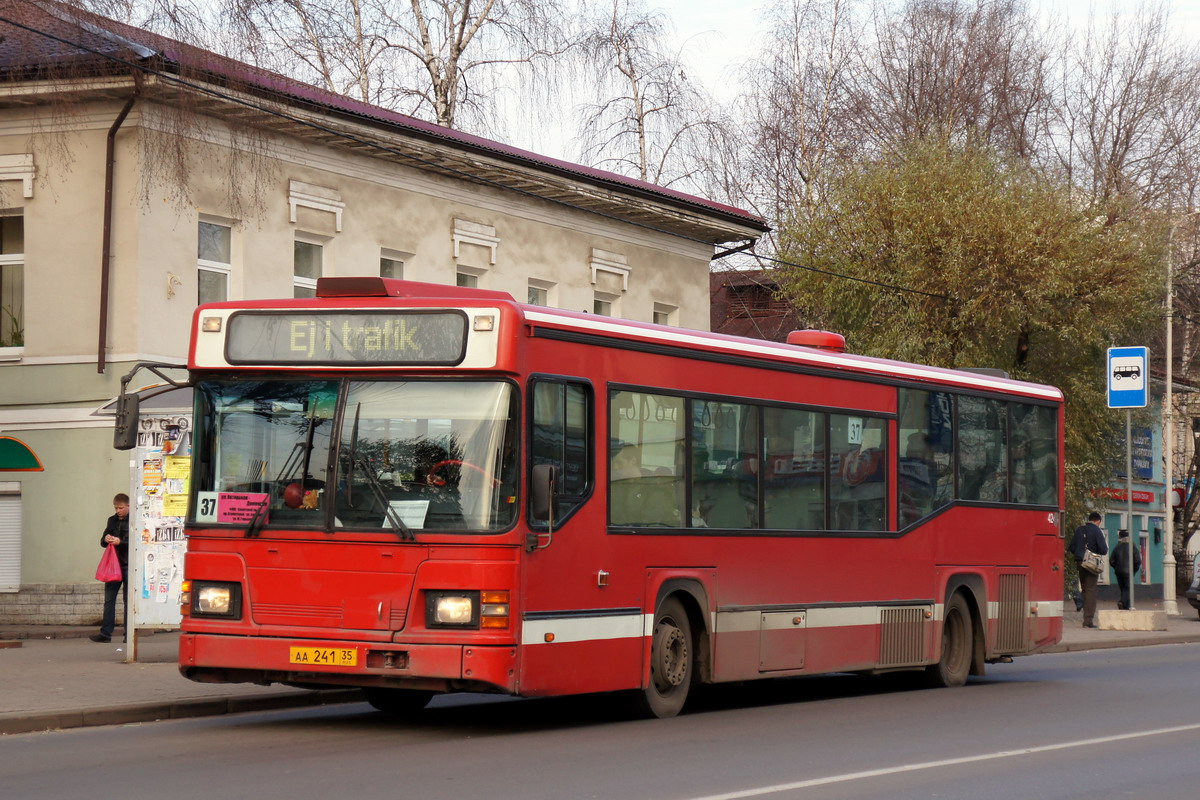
161,477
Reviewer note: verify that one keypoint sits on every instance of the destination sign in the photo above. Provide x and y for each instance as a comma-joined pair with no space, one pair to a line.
381,337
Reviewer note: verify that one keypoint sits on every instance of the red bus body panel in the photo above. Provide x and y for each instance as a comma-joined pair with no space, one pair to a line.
762,604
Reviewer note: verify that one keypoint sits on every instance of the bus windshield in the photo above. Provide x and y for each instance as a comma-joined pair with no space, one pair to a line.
408,456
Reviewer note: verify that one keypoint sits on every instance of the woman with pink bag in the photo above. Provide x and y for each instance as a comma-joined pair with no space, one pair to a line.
116,533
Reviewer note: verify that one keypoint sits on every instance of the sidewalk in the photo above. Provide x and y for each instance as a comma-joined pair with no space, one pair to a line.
58,678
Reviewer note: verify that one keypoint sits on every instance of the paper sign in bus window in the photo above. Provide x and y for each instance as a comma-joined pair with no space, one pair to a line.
411,512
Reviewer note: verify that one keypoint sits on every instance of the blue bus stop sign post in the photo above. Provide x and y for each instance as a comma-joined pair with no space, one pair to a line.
1127,377
1127,390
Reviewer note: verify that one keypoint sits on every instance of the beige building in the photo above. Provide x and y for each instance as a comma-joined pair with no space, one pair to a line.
223,182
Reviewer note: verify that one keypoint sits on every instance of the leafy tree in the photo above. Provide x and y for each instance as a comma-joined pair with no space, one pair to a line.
998,267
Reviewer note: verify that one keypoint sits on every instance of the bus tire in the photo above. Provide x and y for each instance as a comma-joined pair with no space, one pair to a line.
397,702
957,645
672,657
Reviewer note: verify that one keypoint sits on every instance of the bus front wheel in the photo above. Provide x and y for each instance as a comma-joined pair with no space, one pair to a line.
671,660
955,663
397,702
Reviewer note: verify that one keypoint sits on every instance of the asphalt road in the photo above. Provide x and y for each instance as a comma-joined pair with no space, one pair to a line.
1101,724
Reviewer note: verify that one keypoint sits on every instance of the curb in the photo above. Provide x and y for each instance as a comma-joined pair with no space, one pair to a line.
182,709
1108,644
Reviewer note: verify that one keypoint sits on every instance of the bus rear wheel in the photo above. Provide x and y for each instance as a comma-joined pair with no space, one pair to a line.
957,639
671,662
397,702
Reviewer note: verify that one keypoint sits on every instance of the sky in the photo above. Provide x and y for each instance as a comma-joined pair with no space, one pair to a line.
714,36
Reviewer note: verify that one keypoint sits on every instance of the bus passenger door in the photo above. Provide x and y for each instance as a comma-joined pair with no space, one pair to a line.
781,636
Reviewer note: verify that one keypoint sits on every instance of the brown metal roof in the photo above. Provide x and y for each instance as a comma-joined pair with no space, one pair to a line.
47,39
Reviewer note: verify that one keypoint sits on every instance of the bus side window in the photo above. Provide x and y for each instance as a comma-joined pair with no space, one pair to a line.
1034,454
558,436
926,459
725,465
858,480
794,475
647,480
982,449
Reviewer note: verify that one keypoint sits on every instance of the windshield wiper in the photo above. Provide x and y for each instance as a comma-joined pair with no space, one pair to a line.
392,517
260,515
376,487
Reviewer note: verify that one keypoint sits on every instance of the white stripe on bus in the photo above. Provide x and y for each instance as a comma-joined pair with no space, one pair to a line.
792,354
630,626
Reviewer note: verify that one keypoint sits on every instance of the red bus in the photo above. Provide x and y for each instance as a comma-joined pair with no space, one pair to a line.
418,489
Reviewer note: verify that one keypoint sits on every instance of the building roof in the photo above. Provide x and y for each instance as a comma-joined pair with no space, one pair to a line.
748,303
47,39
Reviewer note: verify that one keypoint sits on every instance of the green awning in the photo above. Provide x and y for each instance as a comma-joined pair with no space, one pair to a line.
16,456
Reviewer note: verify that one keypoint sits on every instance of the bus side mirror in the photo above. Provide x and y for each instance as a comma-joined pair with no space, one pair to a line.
542,490
125,427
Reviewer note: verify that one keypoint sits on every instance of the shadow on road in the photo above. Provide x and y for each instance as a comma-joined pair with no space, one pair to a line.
454,716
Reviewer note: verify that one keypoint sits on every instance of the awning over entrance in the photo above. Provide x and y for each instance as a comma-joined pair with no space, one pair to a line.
16,456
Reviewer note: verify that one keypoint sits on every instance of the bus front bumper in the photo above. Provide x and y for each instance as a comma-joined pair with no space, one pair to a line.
212,658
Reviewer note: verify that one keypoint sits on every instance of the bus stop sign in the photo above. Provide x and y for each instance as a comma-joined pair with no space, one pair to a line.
1126,377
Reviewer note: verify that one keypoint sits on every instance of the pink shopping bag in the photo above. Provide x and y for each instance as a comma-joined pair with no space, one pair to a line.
109,568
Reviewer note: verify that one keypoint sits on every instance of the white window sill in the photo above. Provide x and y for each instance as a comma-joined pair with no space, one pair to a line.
11,353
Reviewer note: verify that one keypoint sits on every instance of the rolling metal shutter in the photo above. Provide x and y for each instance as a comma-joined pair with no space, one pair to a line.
10,542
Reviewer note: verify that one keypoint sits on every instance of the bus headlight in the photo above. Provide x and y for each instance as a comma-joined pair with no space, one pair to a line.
466,609
451,609
211,599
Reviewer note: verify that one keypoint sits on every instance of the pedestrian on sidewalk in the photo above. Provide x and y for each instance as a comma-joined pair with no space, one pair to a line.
1088,536
116,533
1119,560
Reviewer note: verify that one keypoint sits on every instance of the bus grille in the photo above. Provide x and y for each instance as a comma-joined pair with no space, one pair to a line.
901,636
1014,602
281,614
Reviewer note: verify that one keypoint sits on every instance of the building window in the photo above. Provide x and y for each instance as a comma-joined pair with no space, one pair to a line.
755,300
604,304
391,268
308,262
214,244
466,280
664,314
539,293
12,281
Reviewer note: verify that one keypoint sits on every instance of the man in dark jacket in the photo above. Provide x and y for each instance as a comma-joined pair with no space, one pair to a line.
1088,537
1119,561
116,533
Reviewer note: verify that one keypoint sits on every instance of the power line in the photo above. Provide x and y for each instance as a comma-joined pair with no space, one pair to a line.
881,284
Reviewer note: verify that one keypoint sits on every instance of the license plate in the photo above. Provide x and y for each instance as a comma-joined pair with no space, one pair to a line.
324,656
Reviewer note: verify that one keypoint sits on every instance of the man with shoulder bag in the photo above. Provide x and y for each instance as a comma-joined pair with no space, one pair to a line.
1088,545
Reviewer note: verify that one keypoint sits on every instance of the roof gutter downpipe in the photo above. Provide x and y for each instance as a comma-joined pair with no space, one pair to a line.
106,245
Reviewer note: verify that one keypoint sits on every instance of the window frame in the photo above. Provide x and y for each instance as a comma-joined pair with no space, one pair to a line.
17,262
222,268
760,408
589,438
302,282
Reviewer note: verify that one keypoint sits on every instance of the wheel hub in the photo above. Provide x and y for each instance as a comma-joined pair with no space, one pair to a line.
671,665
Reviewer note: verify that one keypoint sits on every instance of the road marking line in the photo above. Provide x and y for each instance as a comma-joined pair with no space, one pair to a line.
948,762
